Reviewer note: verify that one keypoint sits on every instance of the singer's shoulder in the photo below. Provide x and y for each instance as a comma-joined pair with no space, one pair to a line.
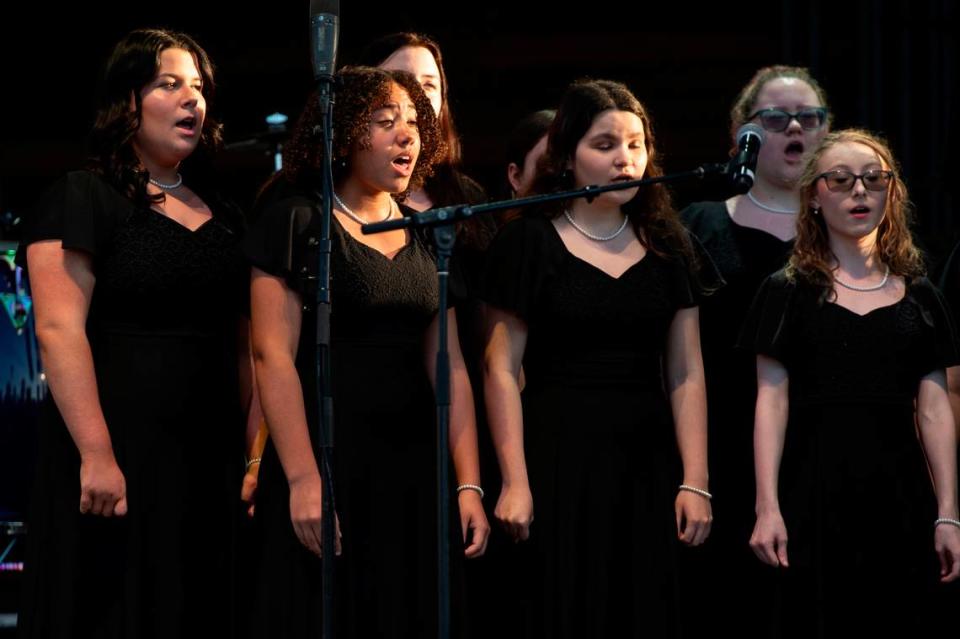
526,236
280,195
780,281
705,218
525,229
535,225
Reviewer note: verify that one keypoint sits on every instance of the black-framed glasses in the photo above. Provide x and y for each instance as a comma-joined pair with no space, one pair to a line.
777,120
841,180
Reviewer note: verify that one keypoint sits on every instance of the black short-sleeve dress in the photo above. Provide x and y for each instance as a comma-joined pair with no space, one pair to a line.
162,327
384,435
599,439
854,488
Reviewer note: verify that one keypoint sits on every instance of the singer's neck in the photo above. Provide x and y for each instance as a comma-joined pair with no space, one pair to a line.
782,198
365,202
597,215
160,171
856,255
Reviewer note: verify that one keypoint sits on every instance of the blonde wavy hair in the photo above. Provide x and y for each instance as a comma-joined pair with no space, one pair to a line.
812,261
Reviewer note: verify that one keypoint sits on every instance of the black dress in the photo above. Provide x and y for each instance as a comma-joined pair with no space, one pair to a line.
745,257
854,488
599,439
384,434
162,328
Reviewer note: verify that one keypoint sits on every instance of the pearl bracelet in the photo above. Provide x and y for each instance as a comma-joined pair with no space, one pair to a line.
255,460
463,487
947,520
698,491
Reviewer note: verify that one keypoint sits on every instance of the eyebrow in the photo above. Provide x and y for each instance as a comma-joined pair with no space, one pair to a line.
611,136
393,106
177,76
846,167
800,107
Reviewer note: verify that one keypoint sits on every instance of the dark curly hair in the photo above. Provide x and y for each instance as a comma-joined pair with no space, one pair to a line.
448,184
360,92
132,66
651,212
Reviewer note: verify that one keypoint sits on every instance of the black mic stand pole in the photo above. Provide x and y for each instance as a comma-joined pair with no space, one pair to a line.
325,93
442,220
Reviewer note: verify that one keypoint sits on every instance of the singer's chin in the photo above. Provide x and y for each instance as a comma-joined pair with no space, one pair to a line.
399,185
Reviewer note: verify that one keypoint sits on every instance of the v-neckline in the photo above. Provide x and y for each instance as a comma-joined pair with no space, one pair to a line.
400,250
871,311
615,278
181,225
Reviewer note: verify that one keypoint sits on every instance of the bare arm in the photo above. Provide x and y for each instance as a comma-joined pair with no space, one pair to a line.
769,540
940,445
503,356
63,282
255,432
275,315
953,385
687,388
463,435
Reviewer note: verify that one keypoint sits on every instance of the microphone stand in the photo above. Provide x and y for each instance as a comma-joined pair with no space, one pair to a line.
322,356
442,220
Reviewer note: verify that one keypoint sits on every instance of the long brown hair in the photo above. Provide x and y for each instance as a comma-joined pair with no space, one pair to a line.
651,212
812,261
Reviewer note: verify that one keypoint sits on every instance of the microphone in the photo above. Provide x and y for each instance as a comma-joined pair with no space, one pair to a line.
743,166
324,29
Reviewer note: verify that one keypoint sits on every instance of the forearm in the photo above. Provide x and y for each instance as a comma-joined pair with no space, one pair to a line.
768,438
937,433
463,429
281,397
689,404
505,419
255,431
68,366
953,385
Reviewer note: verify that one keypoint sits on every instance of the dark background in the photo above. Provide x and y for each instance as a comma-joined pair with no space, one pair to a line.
888,66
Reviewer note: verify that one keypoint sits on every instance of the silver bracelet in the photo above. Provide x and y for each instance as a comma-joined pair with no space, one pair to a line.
255,460
947,520
463,487
698,491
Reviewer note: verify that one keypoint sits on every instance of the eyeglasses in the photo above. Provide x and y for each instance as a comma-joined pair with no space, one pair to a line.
840,180
777,120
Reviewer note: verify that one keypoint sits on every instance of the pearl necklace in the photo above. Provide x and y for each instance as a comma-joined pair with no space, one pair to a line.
168,187
356,218
867,289
598,238
769,208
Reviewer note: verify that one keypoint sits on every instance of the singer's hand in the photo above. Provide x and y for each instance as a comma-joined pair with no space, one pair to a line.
769,539
248,490
306,511
694,518
473,523
946,542
103,488
515,511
